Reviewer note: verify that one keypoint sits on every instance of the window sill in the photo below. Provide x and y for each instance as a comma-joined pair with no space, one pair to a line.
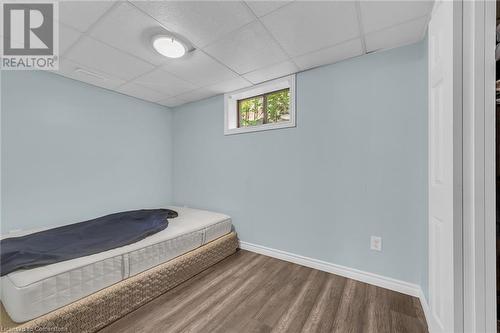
266,127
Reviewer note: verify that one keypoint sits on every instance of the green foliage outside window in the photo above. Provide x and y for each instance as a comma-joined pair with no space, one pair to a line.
251,111
264,109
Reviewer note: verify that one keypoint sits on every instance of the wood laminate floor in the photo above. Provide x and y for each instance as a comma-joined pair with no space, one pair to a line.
248,292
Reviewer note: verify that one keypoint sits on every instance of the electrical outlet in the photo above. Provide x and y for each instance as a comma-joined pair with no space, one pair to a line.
376,243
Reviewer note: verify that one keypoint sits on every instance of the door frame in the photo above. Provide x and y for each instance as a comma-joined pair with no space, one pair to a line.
446,244
479,178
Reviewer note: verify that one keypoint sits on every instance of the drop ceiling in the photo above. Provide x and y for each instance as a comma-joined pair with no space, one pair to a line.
236,43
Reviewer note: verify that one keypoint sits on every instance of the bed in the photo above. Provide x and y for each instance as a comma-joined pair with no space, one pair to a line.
28,294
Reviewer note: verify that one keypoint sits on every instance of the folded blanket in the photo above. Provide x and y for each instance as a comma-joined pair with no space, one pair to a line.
80,239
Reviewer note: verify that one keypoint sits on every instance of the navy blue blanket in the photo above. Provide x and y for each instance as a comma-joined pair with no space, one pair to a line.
81,239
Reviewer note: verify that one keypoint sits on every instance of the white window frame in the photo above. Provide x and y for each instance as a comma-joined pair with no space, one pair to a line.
231,105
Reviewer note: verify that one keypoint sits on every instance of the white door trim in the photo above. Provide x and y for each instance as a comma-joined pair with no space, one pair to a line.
490,168
479,179
458,166
445,166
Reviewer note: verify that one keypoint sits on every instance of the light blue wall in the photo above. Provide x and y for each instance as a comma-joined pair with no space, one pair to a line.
71,151
355,166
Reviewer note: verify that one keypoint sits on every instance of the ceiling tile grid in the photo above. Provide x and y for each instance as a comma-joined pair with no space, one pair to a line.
129,30
247,49
318,25
81,15
235,44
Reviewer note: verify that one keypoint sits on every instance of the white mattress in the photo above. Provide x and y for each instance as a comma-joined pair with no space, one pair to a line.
27,294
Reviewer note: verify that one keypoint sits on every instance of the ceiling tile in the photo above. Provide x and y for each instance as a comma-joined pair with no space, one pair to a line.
247,49
196,95
67,37
261,8
377,15
141,92
399,35
330,55
306,26
199,69
69,69
82,14
165,82
230,85
95,54
271,72
201,22
116,46
171,102
213,90
127,28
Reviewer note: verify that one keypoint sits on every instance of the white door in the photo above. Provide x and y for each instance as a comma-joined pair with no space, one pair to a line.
444,150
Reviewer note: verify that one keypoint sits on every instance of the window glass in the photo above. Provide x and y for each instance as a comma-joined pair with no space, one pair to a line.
277,106
262,107
268,108
251,111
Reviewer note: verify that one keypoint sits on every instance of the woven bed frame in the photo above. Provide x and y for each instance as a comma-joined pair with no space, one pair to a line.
95,311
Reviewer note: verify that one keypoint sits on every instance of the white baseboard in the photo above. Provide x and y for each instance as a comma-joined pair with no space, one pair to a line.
351,273
432,323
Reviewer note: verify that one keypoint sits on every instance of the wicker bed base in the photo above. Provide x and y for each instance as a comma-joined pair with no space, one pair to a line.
95,311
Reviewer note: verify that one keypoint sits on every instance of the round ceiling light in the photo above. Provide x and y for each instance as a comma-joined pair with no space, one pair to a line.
168,46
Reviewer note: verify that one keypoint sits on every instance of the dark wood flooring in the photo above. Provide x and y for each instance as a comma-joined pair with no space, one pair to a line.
248,292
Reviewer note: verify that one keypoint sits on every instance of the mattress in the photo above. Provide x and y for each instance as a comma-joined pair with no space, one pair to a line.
27,294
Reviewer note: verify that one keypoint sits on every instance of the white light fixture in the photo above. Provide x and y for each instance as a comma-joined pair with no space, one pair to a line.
169,46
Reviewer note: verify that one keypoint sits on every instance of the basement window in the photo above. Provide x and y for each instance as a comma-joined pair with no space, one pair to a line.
266,106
